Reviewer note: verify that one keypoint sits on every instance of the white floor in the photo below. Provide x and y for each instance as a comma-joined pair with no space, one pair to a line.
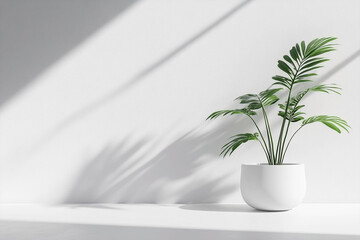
175,222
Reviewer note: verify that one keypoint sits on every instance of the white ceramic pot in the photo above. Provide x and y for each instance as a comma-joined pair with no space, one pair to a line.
273,187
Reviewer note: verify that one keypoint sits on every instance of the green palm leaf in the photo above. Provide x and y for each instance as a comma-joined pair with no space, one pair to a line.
236,141
293,113
268,96
283,81
245,111
256,101
303,61
326,88
332,122
253,101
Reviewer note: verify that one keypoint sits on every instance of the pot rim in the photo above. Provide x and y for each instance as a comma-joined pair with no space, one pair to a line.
267,165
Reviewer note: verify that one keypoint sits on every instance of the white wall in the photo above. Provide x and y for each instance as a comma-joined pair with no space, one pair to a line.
106,101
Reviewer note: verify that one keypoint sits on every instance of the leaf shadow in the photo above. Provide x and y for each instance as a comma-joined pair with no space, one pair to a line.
35,34
220,208
119,174
140,76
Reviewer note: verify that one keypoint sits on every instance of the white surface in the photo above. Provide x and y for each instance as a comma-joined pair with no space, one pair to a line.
111,221
106,101
258,186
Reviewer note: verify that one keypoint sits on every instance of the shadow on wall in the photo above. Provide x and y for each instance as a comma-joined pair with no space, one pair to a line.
21,230
116,175
35,34
93,106
338,67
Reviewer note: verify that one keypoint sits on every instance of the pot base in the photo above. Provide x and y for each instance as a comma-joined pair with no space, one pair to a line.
273,187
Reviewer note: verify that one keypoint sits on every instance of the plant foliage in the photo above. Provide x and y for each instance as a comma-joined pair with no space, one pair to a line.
298,68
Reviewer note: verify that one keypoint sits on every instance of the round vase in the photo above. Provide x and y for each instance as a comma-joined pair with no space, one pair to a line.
273,187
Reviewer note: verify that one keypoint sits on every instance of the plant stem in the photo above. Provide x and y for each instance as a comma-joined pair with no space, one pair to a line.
278,147
267,157
283,156
271,138
262,137
268,133
283,143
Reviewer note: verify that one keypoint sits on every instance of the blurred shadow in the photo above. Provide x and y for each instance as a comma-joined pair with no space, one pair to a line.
22,230
35,34
220,208
339,66
95,206
93,106
182,46
119,174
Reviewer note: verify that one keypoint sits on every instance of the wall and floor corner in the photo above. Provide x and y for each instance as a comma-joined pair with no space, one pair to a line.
106,101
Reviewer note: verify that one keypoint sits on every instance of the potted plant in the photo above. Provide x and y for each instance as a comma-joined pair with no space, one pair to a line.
275,185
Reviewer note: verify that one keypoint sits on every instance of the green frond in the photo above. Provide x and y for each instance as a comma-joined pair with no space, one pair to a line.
318,46
283,81
332,122
245,111
236,141
251,100
314,62
264,98
302,61
247,98
283,66
268,96
289,60
326,88
293,115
